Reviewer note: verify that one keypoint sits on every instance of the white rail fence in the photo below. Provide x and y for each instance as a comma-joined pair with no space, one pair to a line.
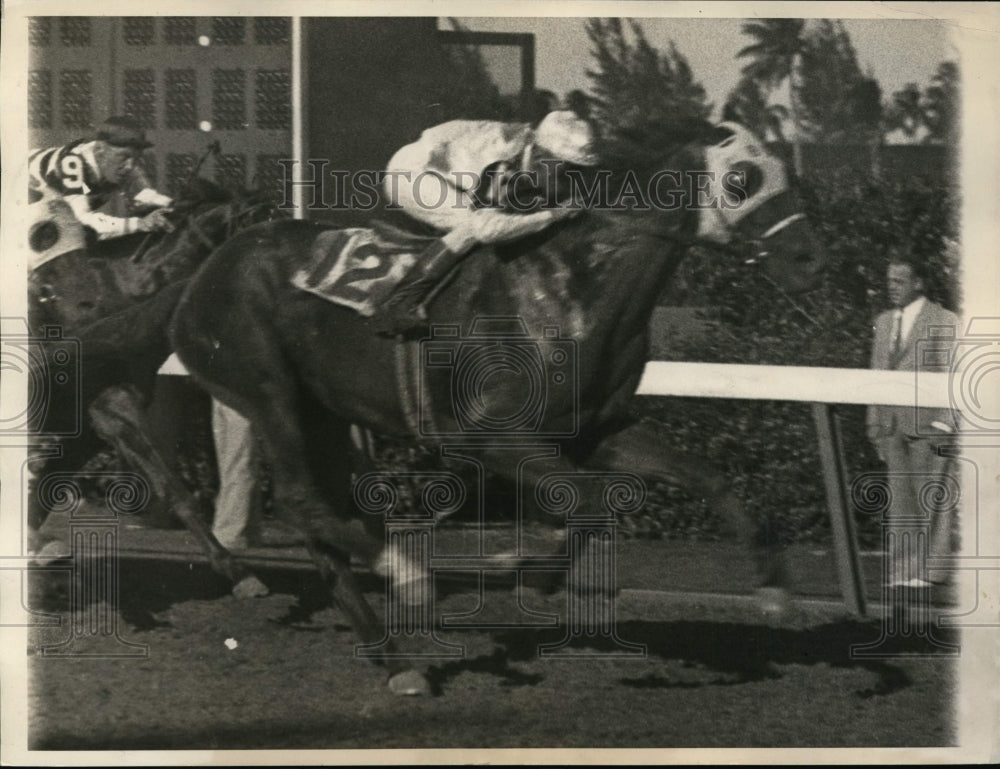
795,383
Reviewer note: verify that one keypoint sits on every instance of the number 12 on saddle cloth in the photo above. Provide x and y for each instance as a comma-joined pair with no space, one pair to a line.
356,267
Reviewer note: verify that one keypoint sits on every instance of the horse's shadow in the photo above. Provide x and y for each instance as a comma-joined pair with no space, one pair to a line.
150,588
734,653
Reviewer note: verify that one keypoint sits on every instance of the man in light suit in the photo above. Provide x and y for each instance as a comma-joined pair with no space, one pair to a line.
908,439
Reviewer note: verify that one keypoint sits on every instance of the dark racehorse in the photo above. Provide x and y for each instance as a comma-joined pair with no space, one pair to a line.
303,369
116,298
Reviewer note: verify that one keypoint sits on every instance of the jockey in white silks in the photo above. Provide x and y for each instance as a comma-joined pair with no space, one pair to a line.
439,178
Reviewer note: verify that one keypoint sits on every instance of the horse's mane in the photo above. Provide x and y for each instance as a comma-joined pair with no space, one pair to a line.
198,198
574,260
648,146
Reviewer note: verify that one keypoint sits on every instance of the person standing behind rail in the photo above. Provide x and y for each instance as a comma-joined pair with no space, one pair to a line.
908,439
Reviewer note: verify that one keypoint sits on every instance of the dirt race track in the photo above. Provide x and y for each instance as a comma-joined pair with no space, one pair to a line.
715,673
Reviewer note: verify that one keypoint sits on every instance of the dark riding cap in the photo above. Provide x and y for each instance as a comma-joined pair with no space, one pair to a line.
121,131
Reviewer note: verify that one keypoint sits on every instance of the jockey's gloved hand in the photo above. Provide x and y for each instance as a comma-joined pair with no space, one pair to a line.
157,221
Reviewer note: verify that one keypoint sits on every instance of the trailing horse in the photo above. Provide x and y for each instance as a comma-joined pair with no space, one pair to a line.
115,298
303,370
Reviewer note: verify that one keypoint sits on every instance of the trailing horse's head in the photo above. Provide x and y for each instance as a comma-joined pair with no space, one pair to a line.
750,202
204,221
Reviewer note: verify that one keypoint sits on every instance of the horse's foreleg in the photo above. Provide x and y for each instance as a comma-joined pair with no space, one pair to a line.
118,417
404,678
642,448
55,458
309,454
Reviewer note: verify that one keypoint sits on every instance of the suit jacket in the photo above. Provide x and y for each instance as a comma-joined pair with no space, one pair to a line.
884,421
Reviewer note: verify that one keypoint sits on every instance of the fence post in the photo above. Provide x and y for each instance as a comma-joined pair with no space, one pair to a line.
844,536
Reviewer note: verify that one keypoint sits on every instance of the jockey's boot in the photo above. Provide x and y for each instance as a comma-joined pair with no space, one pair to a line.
405,308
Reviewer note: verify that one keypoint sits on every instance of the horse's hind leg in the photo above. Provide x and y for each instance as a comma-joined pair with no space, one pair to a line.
642,449
118,417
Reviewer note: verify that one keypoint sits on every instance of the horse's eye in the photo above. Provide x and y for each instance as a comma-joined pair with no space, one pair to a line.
751,176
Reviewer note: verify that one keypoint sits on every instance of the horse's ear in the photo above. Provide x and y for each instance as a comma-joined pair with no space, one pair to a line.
695,130
676,133
201,190
716,134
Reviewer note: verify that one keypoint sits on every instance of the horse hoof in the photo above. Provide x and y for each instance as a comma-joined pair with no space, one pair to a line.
50,552
774,602
250,587
409,683
411,580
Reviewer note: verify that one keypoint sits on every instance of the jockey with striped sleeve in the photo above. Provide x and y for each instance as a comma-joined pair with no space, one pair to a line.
86,173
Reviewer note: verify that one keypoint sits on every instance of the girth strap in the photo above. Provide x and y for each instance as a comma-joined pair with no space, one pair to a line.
414,393
407,392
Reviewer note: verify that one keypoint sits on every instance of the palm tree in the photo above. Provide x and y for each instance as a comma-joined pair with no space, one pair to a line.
941,104
776,56
905,111
747,105
867,115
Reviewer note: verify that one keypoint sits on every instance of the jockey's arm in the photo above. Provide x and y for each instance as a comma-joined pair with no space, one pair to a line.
432,199
104,225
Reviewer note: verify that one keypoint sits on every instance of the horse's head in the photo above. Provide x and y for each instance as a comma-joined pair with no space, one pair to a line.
205,216
216,213
751,204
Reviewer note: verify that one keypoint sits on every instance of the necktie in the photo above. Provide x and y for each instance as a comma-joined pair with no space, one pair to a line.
897,332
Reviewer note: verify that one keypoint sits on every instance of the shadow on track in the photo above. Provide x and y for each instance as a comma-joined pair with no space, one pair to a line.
740,653
737,653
